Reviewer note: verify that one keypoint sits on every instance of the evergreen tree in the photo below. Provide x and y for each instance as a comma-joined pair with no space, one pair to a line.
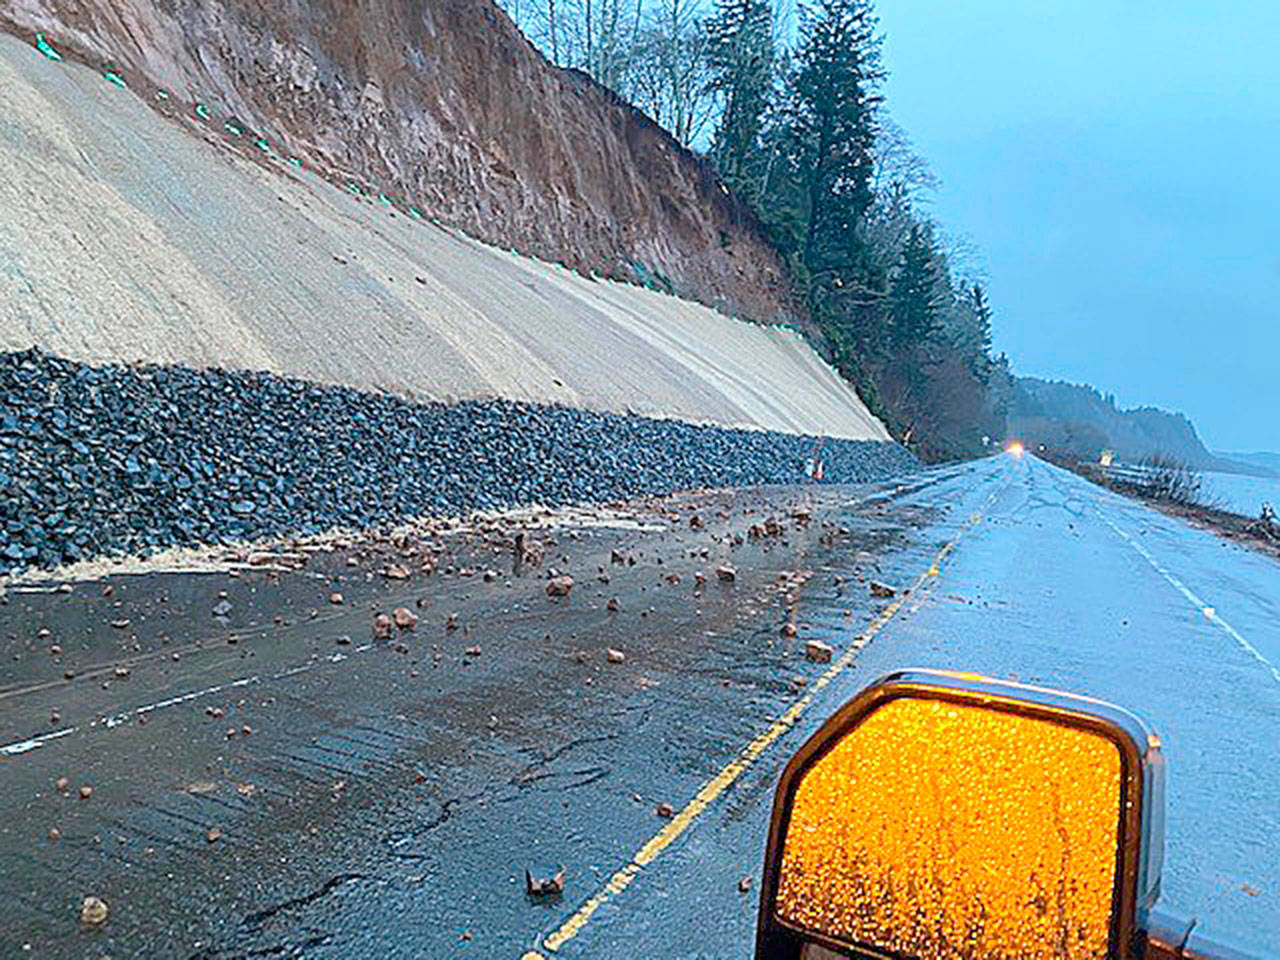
740,59
913,295
832,121
982,311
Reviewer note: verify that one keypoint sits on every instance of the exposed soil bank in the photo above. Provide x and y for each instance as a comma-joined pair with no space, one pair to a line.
102,460
444,105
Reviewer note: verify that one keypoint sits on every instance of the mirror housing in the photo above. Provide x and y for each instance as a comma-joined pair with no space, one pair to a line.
1038,831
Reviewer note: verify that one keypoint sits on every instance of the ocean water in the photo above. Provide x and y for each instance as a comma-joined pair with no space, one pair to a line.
1240,493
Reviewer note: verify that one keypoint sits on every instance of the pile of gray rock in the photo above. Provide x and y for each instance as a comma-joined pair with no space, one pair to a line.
128,459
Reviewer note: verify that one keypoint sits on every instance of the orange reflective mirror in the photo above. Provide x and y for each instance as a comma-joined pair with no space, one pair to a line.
945,817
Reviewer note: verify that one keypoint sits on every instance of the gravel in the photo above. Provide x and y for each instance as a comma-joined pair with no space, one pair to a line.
108,460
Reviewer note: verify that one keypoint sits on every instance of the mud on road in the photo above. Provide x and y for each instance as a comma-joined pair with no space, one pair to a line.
238,764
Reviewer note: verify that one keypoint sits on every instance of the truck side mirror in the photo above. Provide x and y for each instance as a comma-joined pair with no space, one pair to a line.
952,817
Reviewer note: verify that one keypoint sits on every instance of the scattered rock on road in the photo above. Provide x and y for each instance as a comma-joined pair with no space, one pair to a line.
559,586
405,618
879,589
726,573
382,627
615,655
818,652
93,911
544,885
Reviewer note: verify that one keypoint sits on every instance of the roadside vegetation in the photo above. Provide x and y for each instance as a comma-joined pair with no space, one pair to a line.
1177,488
786,103
1161,477
1083,421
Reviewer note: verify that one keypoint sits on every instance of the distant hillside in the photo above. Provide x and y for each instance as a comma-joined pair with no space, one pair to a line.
1259,464
1078,419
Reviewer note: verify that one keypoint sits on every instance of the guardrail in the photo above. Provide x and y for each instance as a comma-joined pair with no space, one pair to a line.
1127,473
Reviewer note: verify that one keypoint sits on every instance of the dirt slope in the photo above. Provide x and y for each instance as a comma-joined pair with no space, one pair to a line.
445,105
123,236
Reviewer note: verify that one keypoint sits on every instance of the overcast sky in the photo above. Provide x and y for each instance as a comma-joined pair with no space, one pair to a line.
1118,164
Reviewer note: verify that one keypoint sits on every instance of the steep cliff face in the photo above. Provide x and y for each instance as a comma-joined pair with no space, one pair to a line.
445,106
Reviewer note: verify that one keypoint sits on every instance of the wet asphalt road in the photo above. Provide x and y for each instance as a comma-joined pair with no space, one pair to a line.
385,798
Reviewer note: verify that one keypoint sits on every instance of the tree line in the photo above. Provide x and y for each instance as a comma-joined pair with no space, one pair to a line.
787,103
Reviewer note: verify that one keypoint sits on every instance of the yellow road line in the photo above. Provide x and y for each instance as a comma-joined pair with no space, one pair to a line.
681,822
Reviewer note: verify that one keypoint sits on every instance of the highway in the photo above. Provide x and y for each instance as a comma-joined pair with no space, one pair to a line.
293,793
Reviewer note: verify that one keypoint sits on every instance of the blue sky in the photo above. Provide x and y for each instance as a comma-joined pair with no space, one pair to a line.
1117,162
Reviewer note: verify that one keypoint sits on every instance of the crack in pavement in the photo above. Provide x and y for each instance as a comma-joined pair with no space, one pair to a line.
253,922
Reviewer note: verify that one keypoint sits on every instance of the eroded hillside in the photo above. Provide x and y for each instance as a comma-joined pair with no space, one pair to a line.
446,106
125,237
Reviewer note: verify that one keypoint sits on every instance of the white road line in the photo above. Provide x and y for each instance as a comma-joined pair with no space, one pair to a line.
111,722
1209,612
22,746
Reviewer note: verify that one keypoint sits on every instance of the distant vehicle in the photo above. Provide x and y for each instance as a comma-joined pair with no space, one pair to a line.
955,817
